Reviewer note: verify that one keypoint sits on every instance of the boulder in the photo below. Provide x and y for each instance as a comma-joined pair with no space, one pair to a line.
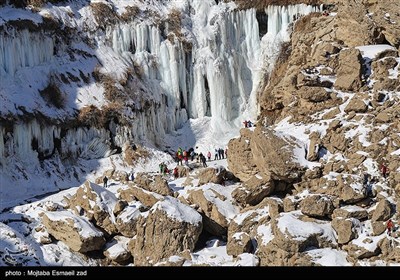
313,147
216,175
133,192
170,227
345,229
382,211
356,105
351,211
153,183
254,190
317,206
314,94
239,243
117,250
127,220
97,204
76,232
378,227
216,208
349,70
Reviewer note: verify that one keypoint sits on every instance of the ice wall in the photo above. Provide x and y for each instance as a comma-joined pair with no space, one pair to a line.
219,77
20,49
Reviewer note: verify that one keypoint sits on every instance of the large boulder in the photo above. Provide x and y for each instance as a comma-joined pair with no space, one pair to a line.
265,151
117,250
239,243
76,232
356,105
349,70
216,175
127,220
317,206
314,94
254,190
216,205
153,183
170,228
132,193
345,229
97,204
351,211
382,211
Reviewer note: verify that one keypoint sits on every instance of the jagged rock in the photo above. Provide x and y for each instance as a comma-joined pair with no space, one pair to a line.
314,94
356,105
127,220
351,211
77,232
212,175
383,117
364,248
183,171
349,70
351,195
117,250
289,204
313,147
254,190
119,207
239,243
317,206
170,227
382,211
95,203
133,192
250,217
378,227
153,183
345,229
217,210
289,235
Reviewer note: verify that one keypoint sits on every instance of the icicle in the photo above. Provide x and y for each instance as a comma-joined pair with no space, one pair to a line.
24,49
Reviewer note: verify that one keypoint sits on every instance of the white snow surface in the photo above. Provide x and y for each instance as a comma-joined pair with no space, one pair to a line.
178,211
328,257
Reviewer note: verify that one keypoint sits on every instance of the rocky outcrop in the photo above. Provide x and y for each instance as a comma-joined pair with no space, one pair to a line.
349,70
345,229
382,211
254,190
132,192
76,232
117,250
215,175
97,204
351,211
317,206
215,206
127,220
266,152
170,227
239,243
153,183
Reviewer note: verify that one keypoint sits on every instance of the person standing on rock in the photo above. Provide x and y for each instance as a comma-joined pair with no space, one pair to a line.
105,180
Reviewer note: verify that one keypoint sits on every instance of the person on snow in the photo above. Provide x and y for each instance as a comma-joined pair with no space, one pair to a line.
226,152
245,124
176,174
209,155
192,155
105,180
203,160
389,226
216,154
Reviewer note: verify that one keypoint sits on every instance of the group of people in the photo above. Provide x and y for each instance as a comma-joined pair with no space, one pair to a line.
248,123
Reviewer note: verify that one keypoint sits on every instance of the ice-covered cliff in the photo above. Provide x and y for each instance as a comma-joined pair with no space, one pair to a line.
80,78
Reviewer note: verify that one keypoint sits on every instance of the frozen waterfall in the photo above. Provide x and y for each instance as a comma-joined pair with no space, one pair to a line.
20,49
220,76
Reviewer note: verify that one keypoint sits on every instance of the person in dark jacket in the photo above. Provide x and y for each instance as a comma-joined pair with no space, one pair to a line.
105,180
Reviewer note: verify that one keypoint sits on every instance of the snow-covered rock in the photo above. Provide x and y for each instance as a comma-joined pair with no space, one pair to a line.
132,193
77,232
170,227
153,183
96,203
317,206
239,243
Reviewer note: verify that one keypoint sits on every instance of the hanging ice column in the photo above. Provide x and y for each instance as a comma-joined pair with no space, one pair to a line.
23,49
163,64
